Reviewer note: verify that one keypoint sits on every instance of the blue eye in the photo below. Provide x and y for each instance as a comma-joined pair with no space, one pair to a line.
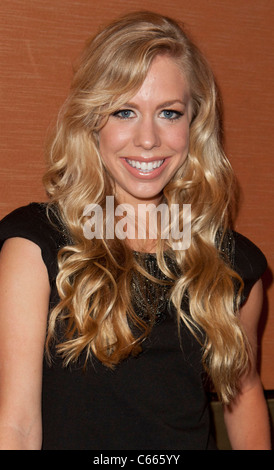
123,114
171,114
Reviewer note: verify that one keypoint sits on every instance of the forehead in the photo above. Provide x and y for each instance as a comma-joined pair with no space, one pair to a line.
164,79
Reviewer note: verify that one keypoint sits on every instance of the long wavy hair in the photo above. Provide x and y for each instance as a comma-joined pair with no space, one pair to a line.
95,276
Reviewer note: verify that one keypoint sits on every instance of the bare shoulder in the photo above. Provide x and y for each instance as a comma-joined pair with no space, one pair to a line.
22,271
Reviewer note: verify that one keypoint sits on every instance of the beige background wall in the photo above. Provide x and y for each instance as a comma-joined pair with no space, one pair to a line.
39,41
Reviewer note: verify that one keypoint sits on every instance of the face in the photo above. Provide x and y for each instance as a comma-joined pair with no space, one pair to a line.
145,141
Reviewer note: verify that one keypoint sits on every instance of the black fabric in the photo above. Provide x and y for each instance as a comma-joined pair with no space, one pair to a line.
153,401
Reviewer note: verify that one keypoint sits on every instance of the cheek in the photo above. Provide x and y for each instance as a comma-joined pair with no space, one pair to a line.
111,140
104,141
179,141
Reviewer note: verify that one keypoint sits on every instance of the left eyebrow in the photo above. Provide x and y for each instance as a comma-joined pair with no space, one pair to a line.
166,104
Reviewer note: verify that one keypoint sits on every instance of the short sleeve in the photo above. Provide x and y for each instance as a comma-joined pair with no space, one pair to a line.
31,222
249,262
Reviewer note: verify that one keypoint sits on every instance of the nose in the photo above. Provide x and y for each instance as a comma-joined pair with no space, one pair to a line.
147,134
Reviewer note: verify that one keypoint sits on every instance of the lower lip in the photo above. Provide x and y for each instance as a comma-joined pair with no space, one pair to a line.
138,173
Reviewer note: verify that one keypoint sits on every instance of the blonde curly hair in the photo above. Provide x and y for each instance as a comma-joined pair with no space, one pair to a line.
94,280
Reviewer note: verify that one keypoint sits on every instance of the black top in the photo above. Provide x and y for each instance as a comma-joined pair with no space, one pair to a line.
150,402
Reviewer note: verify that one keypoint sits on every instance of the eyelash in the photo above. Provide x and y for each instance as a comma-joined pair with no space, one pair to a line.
177,114
118,113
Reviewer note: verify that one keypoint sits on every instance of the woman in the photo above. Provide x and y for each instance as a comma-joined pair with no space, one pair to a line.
137,328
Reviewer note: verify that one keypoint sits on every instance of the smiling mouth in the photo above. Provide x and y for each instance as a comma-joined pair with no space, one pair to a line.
145,167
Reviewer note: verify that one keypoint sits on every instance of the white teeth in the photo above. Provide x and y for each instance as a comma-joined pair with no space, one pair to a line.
145,166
